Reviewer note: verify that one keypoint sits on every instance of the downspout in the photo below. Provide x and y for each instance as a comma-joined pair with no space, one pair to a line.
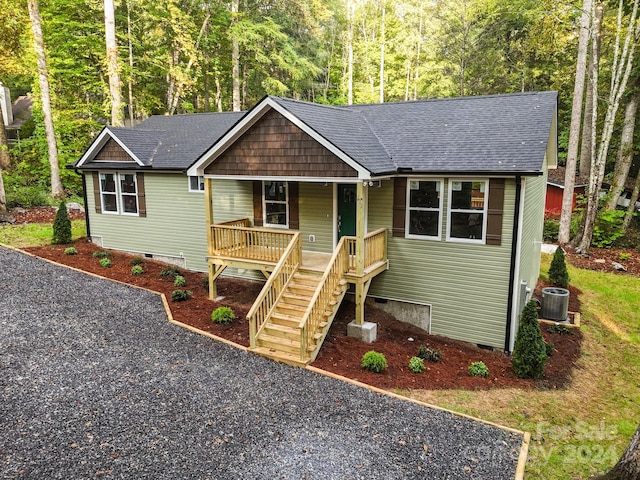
84,198
514,259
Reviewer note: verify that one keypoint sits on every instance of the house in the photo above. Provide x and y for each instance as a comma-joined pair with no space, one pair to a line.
555,190
434,209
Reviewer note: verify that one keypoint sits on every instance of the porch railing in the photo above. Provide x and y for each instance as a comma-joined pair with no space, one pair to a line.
274,287
375,248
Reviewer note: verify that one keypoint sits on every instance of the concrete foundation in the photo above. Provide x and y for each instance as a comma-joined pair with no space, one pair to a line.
367,332
413,313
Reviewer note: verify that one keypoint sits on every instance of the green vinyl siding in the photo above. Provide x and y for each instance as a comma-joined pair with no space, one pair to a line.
174,225
232,199
315,204
532,225
466,284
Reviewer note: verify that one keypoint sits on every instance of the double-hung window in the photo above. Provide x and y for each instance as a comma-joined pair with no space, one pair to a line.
467,218
119,193
276,204
196,184
424,212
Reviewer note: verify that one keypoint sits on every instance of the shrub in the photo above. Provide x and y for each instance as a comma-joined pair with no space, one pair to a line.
62,226
205,282
374,361
561,329
70,251
624,256
608,228
105,262
137,270
101,254
430,354
478,369
179,281
169,272
136,261
558,274
26,196
416,364
180,295
223,315
529,353
549,349
551,229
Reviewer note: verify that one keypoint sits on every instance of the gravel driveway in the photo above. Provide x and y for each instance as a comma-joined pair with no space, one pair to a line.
94,382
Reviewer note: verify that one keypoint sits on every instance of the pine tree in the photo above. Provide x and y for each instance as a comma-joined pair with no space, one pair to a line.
529,353
62,226
558,274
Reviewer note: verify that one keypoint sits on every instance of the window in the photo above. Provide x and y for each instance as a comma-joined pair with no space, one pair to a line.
424,212
276,204
467,210
119,193
196,184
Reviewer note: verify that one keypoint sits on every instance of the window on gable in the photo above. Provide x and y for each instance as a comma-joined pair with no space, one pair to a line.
119,193
467,210
276,204
196,184
424,208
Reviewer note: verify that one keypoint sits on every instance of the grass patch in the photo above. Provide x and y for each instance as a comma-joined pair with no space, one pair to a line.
36,234
583,430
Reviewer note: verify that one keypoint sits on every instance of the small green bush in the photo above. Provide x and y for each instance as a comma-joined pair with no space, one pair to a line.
62,226
180,295
101,254
558,274
478,369
169,272
70,251
550,348
551,229
529,352
561,329
205,283
179,281
416,364
136,261
26,197
625,256
137,270
105,262
374,361
430,354
223,315
608,228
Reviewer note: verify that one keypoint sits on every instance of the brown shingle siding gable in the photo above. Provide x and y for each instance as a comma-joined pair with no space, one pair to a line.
112,152
276,147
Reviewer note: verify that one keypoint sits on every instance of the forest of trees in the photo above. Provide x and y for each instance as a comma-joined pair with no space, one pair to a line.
117,62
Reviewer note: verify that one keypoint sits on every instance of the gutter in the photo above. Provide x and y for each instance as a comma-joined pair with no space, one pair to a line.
514,259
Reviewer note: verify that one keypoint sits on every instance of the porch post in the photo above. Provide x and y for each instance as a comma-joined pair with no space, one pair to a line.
360,290
208,208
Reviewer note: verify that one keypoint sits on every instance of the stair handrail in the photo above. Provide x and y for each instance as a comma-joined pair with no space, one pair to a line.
333,274
274,287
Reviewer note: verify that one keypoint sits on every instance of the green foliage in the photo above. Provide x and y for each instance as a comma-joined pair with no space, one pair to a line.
549,349
559,329
62,226
137,270
530,352
180,295
136,261
223,315
70,251
416,364
169,272
478,369
430,354
558,273
551,229
25,197
105,262
624,256
179,281
608,228
374,361
205,282
101,254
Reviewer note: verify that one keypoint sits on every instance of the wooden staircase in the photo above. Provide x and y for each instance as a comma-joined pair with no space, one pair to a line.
281,335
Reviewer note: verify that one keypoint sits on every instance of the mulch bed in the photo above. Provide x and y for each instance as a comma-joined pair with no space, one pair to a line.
340,354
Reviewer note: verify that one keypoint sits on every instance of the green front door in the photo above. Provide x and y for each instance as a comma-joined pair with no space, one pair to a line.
346,210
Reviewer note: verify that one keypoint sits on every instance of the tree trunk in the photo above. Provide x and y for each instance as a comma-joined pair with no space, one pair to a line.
625,152
130,82
632,204
574,129
382,41
4,162
350,20
43,76
235,58
3,196
586,155
628,467
117,117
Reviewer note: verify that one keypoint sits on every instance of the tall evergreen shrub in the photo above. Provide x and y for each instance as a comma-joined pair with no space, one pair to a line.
62,226
558,274
530,352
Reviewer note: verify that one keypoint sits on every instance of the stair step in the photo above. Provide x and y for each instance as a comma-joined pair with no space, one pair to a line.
306,279
302,289
284,357
283,331
279,343
296,299
291,309
285,320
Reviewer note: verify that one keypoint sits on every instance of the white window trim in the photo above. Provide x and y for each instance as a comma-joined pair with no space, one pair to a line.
477,241
189,183
264,206
119,195
408,209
